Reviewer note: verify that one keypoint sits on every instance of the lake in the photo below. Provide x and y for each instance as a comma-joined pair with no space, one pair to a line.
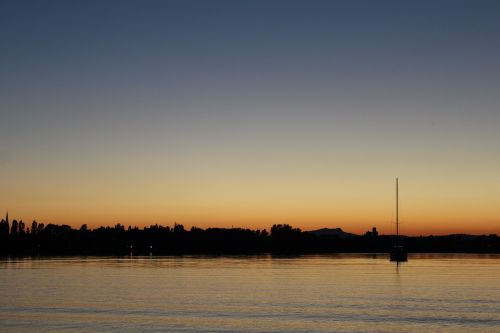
327,293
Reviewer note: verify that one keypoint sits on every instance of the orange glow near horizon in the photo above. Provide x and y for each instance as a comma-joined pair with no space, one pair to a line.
250,185
352,210
428,227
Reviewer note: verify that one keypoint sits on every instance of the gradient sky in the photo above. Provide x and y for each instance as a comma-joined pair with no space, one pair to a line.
249,113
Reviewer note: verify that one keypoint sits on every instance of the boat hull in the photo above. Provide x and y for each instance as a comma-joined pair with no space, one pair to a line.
399,254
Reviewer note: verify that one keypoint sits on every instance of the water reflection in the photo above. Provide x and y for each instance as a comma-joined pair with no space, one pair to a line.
341,292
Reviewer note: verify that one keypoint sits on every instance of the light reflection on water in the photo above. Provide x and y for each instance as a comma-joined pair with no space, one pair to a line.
341,293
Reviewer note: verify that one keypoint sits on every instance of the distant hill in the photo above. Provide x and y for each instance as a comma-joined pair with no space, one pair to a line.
462,236
338,232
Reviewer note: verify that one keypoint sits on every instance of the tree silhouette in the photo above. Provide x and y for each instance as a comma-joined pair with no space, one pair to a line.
34,227
283,239
21,227
13,229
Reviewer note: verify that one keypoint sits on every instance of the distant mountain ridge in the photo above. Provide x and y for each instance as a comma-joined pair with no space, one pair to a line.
332,232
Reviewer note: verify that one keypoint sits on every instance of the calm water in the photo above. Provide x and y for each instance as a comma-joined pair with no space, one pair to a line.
342,293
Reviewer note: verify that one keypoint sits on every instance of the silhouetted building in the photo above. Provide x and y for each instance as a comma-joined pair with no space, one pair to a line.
373,233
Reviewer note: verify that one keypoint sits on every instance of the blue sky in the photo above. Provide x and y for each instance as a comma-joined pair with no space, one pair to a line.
208,111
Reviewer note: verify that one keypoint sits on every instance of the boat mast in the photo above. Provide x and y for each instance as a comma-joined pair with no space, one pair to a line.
397,212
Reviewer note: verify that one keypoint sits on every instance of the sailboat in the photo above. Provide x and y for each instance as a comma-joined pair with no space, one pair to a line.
398,252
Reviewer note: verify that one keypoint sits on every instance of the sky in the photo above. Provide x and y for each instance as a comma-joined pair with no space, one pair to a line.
251,113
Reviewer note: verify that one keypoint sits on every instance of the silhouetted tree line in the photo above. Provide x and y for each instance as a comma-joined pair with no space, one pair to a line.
18,240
